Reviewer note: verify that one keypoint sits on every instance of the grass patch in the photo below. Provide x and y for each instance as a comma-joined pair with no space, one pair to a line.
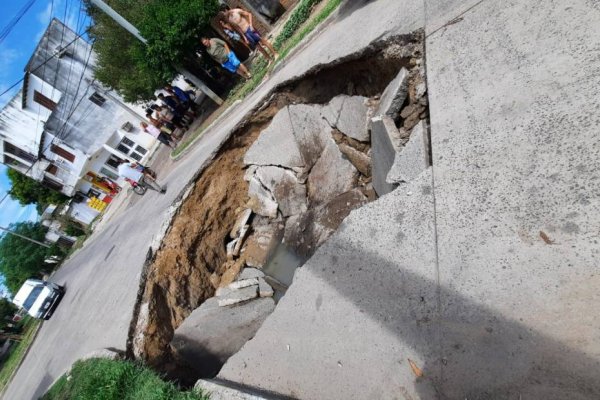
17,352
102,379
289,38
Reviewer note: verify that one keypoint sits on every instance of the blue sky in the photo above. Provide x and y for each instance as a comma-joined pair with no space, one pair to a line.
15,51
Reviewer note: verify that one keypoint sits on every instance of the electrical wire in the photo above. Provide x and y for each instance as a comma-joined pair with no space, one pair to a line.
13,22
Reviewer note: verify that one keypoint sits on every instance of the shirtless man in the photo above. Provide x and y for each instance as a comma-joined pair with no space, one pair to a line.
242,21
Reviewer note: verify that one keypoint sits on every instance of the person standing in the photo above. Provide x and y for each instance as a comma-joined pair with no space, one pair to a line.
221,53
137,174
158,134
242,21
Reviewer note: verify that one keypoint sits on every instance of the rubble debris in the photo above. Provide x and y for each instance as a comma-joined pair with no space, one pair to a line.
384,153
289,194
242,220
311,131
354,117
240,284
394,95
350,115
261,200
332,175
360,160
211,334
261,244
264,289
276,145
250,273
413,159
239,296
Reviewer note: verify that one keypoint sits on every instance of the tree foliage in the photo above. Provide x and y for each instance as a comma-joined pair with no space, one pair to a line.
29,191
21,259
171,28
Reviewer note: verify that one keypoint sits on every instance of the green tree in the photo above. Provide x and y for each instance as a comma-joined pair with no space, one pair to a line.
21,259
172,28
28,191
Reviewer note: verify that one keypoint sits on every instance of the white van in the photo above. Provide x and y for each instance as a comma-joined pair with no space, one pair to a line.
39,298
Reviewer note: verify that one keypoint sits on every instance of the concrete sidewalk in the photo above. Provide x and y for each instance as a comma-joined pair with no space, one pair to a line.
480,278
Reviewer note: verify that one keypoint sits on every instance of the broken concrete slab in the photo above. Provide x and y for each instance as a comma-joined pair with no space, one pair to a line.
394,95
211,334
383,152
230,248
240,240
264,289
232,269
353,120
310,129
242,283
239,296
276,145
304,233
360,160
331,112
242,220
289,194
250,273
413,159
219,391
261,200
331,176
261,244
374,278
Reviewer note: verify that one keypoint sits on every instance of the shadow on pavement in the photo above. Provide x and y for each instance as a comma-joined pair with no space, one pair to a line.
471,350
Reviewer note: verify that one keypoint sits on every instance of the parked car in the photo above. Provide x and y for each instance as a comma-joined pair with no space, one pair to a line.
39,298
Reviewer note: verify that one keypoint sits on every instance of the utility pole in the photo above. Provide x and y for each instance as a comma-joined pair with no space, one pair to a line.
24,237
135,32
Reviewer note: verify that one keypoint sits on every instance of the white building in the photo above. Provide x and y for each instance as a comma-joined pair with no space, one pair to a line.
65,130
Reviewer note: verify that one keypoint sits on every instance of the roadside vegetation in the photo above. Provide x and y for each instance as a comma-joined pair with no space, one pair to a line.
18,351
102,379
296,28
21,259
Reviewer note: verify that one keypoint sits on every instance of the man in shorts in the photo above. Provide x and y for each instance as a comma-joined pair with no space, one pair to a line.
133,173
158,134
242,21
222,54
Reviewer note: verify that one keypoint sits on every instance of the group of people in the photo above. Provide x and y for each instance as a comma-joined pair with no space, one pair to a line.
175,111
238,25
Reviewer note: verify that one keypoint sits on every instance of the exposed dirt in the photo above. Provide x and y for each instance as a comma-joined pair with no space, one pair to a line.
192,259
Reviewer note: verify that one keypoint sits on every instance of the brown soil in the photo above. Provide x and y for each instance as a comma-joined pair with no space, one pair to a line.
192,258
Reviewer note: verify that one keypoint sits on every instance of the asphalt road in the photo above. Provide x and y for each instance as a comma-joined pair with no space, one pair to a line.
103,277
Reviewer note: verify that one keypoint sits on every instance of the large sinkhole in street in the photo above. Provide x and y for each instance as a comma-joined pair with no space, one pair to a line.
278,188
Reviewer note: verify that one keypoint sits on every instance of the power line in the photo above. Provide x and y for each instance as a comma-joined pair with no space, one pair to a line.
79,36
9,27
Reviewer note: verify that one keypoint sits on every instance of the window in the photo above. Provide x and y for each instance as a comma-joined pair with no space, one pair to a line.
62,152
106,172
97,99
43,100
15,151
127,142
141,150
35,292
113,161
52,169
129,147
136,156
123,149
52,184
